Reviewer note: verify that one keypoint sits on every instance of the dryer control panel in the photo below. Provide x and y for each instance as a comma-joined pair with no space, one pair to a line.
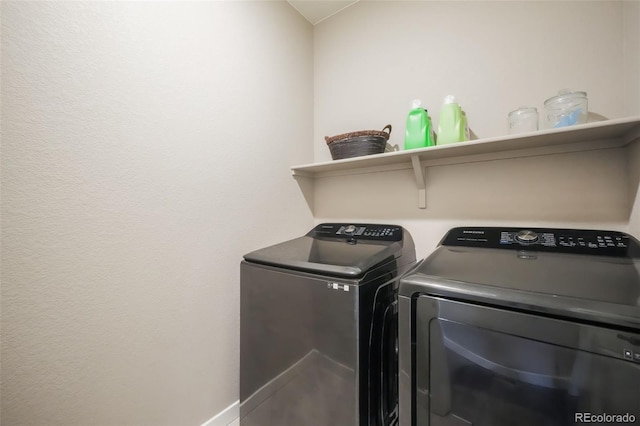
359,231
576,241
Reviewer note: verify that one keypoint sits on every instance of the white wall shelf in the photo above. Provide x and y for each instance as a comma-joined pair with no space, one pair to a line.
598,135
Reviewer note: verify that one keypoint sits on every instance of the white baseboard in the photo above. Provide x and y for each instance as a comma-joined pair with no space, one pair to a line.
226,416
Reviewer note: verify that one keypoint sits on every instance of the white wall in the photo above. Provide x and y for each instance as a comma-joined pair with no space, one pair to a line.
145,148
632,102
631,52
372,59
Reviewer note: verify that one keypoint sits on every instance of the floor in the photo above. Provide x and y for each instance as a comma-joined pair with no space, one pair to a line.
311,383
236,422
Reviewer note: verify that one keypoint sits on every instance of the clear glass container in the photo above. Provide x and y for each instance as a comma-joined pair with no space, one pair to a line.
523,120
566,109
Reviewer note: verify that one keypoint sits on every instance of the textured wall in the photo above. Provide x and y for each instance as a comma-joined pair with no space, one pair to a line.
145,148
373,58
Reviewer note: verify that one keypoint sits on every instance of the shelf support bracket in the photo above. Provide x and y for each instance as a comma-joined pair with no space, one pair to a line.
418,171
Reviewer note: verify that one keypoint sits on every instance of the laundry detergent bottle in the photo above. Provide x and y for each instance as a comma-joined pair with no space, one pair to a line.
419,131
452,126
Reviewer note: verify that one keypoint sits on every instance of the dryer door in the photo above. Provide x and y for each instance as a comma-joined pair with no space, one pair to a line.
482,366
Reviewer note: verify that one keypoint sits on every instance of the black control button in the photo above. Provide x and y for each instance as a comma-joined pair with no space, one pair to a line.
627,353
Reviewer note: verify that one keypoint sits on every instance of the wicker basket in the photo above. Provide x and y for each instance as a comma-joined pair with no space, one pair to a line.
355,144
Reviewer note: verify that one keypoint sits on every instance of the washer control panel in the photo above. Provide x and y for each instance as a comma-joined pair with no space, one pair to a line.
577,241
359,231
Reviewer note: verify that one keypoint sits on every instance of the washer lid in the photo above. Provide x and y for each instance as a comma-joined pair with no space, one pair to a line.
335,249
541,278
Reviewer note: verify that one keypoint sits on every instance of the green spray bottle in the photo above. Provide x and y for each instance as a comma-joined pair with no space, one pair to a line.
419,131
452,126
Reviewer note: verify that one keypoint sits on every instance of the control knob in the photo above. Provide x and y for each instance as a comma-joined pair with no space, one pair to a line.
527,237
350,229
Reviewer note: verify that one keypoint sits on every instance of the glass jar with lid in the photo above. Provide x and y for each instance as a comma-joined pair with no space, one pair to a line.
566,109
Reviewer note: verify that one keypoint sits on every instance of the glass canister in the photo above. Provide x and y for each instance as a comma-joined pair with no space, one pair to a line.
522,120
566,109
